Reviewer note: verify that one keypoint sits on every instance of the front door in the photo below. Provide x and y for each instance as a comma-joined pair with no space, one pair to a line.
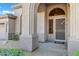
60,29
57,28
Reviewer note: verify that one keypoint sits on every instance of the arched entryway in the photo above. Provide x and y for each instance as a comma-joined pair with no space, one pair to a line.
56,20
41,21
71,23
37,28
51,22
51,14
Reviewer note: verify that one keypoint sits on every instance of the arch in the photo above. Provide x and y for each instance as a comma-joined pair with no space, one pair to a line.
33,9
33,20
56,11
36,5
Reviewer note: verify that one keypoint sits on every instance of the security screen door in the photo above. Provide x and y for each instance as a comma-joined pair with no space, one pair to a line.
60,29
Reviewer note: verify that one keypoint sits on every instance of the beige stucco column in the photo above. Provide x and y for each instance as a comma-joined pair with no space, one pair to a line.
73,40
28,39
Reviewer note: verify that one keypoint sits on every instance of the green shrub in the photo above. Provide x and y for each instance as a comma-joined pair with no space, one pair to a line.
16,37
13,36
76,53
12,52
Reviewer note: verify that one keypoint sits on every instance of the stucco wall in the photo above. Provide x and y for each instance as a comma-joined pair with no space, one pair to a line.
18,13
11,25
50,7
3,32
41,26
28,40
41,18
73,40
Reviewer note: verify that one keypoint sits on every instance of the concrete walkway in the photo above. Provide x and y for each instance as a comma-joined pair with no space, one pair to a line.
50,49
45,49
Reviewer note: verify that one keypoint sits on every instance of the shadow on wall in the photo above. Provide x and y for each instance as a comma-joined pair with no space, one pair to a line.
13,36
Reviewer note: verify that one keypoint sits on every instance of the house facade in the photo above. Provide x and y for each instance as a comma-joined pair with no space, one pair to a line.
52,22
7,26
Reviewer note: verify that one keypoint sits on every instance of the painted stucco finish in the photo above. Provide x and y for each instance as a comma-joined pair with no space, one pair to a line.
3,33
41,23
28,38
73,40
32,22
18,13
43,20
7,25
73,27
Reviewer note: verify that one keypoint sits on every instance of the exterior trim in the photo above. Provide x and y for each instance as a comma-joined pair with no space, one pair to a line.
17,6
8,16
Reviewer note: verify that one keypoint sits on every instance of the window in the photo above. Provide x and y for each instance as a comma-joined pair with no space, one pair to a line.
56,11
50,26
